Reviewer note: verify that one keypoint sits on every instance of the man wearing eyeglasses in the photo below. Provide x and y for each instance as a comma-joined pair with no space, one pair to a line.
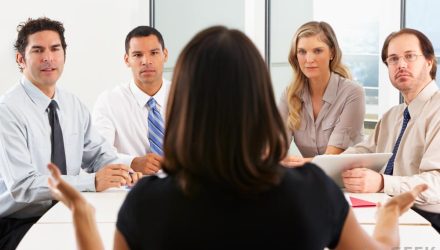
411,130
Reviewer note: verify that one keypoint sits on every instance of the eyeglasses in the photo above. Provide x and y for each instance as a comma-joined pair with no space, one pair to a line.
410,57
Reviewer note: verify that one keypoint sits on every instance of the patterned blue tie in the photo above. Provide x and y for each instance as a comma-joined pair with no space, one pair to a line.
390,165
155,128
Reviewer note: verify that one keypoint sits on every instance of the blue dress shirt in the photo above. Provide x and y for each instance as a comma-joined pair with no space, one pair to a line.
26,150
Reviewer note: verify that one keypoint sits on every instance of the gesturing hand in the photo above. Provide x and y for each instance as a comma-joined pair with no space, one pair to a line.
87,236
404,201
65,193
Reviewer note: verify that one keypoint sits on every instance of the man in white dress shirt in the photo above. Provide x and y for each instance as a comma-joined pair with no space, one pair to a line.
122,114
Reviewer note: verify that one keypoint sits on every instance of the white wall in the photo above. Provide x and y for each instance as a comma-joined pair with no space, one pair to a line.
95,36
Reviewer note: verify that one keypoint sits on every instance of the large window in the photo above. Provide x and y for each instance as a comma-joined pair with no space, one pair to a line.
361,27
423,15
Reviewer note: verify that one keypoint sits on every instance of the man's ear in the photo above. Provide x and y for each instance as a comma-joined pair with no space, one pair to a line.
430,62
165,53
126,60
21,62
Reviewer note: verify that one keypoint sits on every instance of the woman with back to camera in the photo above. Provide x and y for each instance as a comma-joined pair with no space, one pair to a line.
323,108
225,188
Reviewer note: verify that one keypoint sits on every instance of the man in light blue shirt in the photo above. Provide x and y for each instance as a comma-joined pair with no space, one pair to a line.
31,139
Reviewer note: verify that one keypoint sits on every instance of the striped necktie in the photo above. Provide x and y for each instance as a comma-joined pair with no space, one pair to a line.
390,165
155,127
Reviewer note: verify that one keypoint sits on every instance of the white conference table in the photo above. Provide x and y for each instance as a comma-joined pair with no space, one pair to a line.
106,205
55,228
56,236
414,237
367,215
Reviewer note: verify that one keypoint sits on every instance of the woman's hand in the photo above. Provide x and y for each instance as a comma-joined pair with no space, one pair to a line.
401,203
86,231
294,161
65,193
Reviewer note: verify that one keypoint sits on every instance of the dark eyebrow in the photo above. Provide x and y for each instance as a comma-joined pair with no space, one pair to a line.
42,47
37,47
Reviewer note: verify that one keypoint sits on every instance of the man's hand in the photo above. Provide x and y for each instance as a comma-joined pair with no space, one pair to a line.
115,175
148,164
362,180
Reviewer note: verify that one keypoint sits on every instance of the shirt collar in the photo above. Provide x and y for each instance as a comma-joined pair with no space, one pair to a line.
37,96
142,97
332,88
330,92
415,107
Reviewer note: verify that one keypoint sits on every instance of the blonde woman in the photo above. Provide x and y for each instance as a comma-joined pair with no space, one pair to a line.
323,108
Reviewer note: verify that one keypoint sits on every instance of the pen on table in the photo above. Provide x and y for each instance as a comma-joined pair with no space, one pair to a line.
130,172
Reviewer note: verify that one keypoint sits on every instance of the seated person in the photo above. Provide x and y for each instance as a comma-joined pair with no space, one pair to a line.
411,130
323,108
130,116
41,123
225,187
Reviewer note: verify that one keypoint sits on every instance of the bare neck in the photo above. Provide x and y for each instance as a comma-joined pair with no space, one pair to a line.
317,86
150,88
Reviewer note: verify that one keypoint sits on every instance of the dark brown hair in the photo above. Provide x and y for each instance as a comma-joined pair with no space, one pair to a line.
223,125
142,31
425,47
32,26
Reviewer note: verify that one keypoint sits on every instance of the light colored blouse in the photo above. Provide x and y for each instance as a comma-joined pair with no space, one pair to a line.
339,123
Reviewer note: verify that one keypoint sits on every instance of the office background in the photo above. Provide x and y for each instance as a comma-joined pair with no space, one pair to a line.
96,30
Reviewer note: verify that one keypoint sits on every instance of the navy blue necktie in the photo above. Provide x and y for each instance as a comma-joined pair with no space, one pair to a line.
155,127
58,156
390,165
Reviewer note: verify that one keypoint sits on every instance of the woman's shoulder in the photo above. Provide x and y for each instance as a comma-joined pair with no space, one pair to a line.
310,186
152,186
348,86
309,176
349,83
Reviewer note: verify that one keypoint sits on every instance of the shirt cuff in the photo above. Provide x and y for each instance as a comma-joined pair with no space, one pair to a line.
84,182
92,181
125,159
391,185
